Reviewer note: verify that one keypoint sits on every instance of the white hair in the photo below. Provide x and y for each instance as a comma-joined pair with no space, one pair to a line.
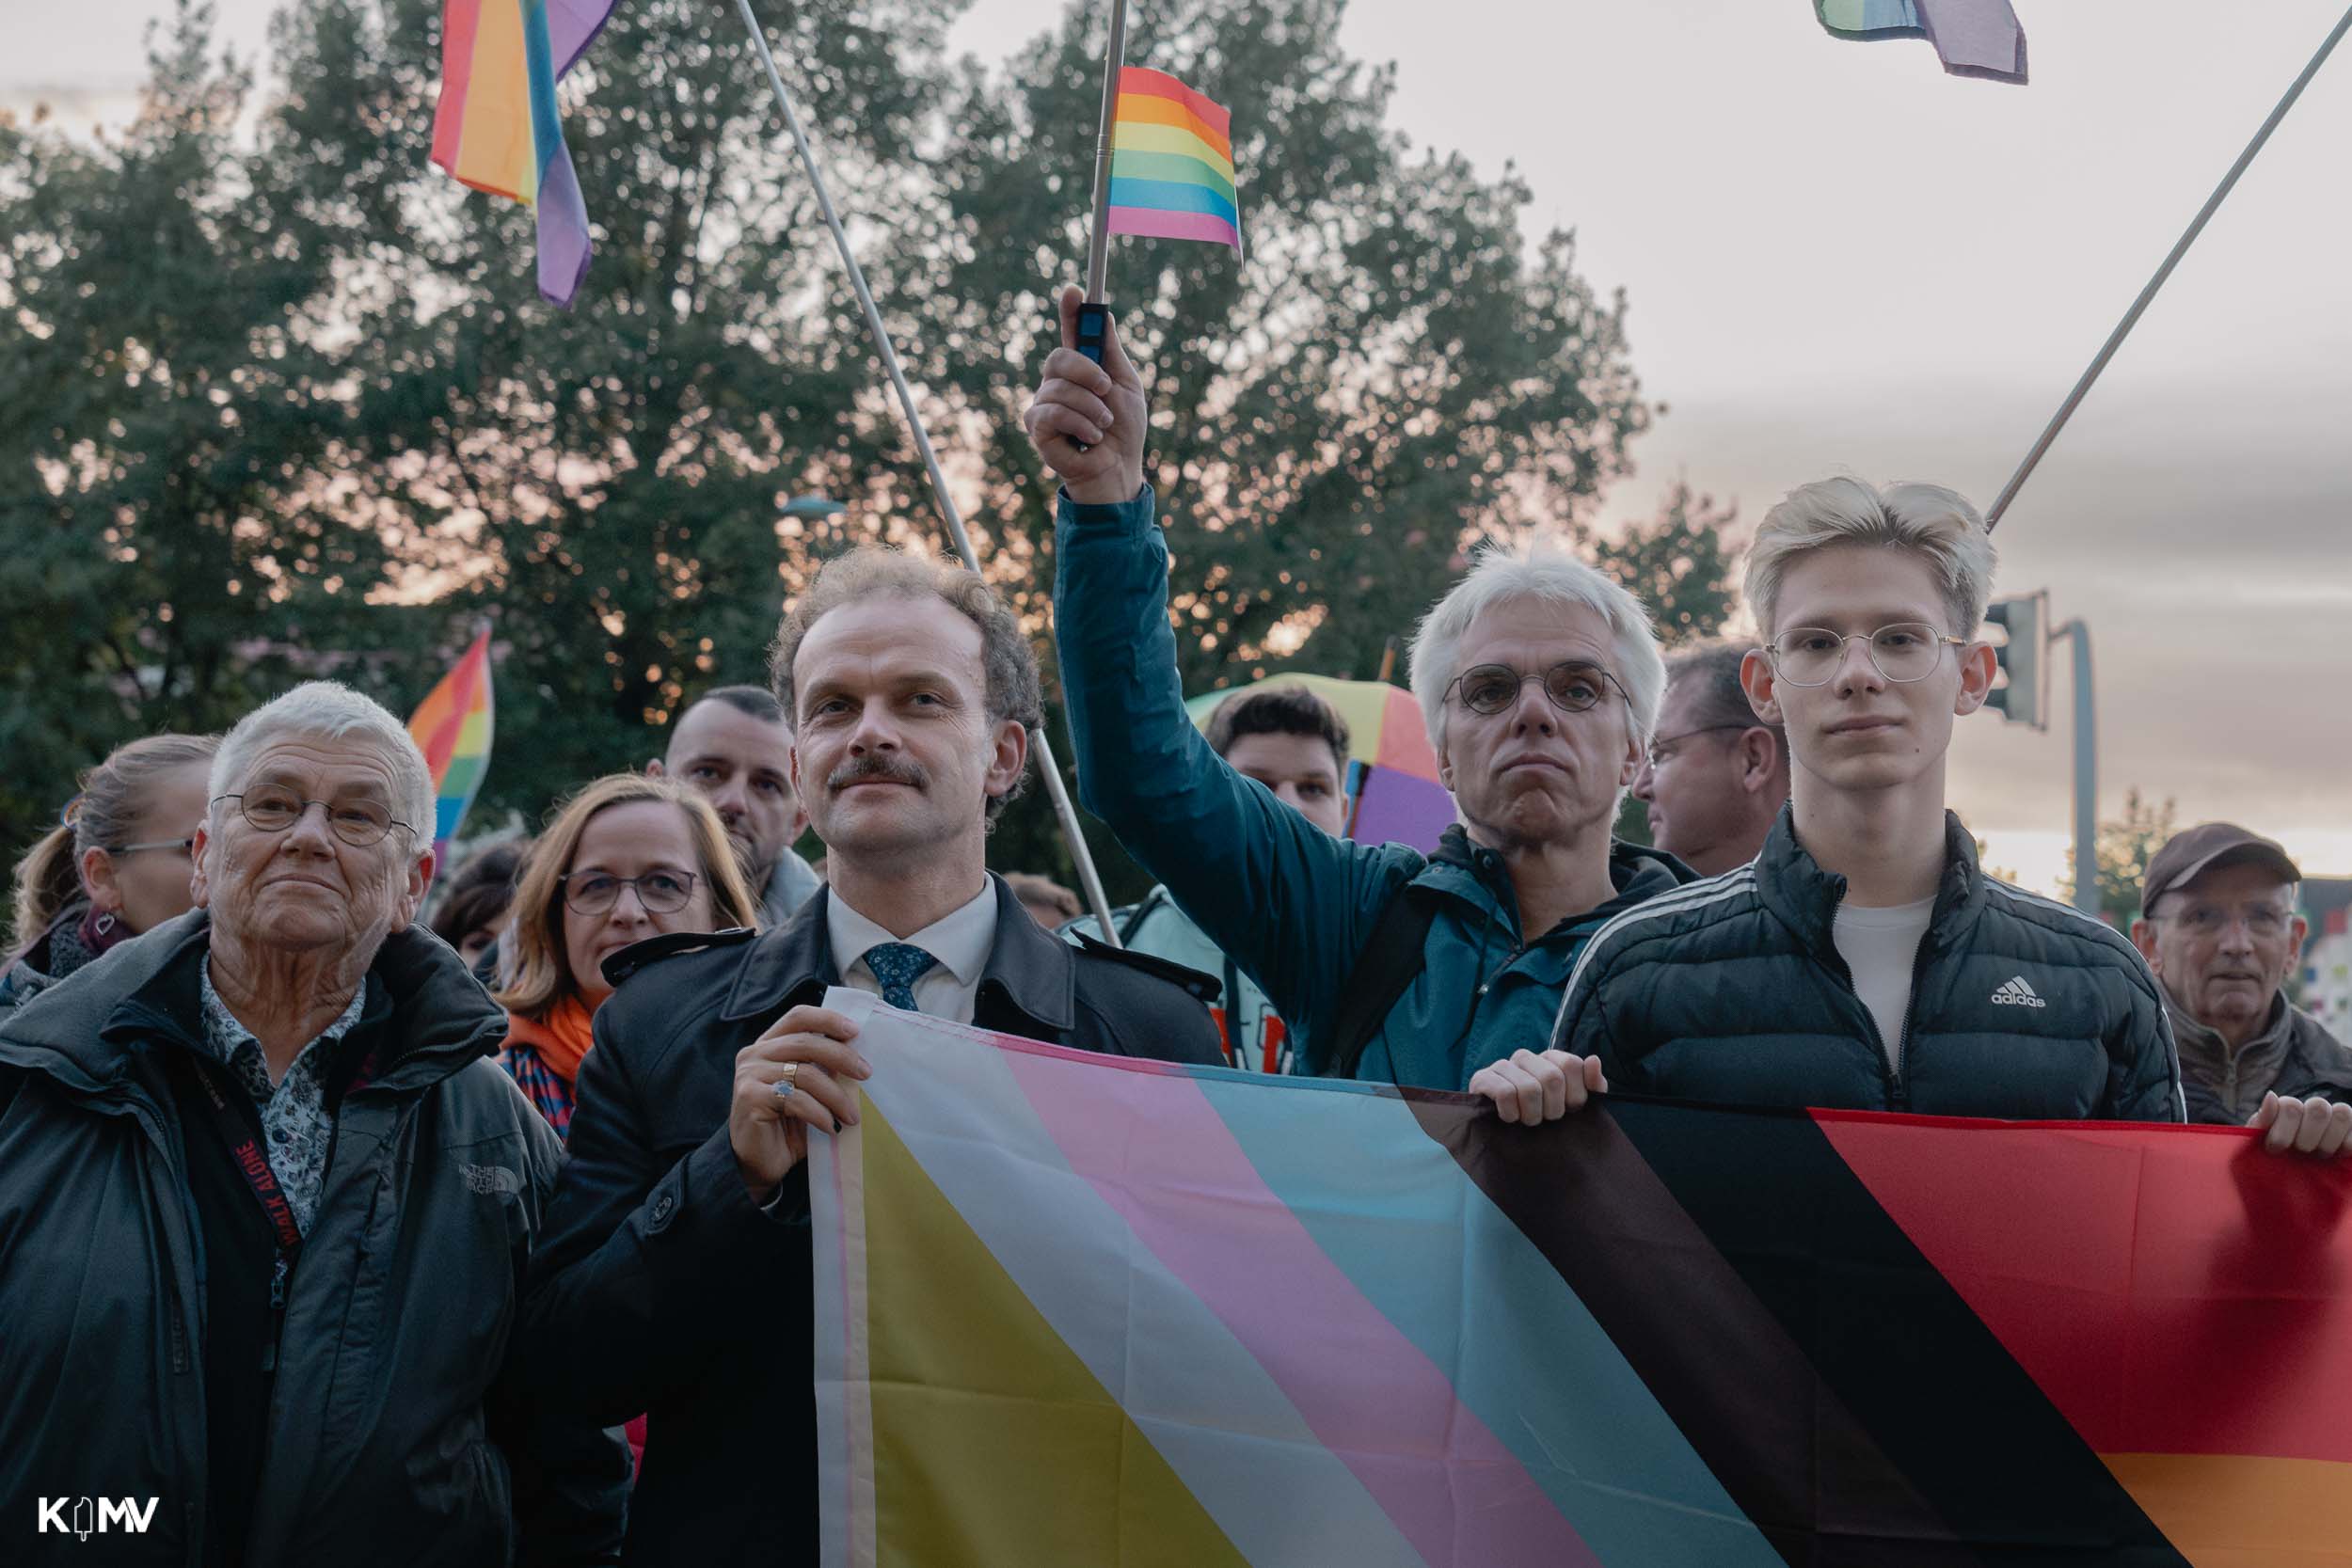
329,710
1937,525
1547,573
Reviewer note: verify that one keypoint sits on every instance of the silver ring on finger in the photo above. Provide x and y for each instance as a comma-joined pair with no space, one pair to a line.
784,1090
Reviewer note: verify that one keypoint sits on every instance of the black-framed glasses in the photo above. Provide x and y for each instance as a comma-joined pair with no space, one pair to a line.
1665,740
1903,652
1573,686
358,823
659,892
178,846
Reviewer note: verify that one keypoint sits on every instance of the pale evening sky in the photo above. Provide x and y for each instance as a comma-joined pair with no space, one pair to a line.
1839,259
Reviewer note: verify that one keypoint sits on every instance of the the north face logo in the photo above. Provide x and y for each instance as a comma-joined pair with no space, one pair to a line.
2016,993
490,1180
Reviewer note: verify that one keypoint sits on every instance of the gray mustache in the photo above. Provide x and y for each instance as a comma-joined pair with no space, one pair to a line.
878,765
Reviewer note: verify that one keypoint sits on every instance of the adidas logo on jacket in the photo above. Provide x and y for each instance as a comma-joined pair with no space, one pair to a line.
1732,990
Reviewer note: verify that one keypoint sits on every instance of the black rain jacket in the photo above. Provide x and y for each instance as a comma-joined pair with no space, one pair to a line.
396,1433
663,1287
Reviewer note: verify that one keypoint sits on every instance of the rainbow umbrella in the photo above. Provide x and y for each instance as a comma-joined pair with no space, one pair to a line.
1394,795
452,726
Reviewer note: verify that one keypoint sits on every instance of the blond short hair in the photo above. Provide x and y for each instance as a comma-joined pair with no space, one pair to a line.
537,974
1933,523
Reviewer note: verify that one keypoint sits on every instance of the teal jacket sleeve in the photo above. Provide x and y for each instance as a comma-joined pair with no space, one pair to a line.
1290,904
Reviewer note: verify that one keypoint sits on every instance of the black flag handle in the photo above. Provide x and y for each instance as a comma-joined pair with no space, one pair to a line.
1094,322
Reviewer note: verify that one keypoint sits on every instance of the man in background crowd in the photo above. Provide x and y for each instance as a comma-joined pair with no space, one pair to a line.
1293,743
1716,775
735,746
2218,925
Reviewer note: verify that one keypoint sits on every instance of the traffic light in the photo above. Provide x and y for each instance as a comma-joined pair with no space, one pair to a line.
2019,692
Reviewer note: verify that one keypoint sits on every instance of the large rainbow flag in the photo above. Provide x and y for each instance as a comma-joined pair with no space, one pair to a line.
1077,1311
497,127
1973,38
1171,161
452,726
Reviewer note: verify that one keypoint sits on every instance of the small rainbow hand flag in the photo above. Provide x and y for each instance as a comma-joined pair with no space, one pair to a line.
1171,161
497,127
452,726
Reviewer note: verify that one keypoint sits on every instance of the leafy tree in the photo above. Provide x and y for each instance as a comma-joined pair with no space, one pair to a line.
2123,850
173,547
606,483
281,400
1678,565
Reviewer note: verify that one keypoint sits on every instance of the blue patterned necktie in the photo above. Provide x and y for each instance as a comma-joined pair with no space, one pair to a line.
898,965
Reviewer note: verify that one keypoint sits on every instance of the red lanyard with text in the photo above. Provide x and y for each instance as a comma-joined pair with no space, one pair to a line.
245,1148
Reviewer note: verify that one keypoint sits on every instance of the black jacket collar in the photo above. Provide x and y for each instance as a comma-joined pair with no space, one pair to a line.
1793,886
1028,987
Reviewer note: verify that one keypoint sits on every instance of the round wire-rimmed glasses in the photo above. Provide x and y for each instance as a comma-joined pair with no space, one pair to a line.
361,824
1904,652
1573,687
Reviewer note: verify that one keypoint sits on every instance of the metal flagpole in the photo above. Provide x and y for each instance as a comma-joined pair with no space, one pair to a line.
1098,238
1071,833
2131,317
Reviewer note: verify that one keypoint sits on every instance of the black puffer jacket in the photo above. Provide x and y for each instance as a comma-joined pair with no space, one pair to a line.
396,1434
1733,990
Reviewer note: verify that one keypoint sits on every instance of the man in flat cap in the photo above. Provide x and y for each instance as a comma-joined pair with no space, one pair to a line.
2218,925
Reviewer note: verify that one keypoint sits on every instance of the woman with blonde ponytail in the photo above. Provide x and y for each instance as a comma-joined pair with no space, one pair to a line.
116,864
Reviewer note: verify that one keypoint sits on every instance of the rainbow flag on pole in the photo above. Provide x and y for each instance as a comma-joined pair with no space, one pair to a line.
1078,1311
497,127
1171,161
452,726
1973,38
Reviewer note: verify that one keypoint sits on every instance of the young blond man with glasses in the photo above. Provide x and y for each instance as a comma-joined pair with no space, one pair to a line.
1864,961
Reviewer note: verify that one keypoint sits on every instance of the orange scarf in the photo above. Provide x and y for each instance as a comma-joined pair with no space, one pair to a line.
561,1037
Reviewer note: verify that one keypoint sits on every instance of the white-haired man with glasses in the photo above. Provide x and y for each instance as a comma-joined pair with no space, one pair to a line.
1864,960
1537,680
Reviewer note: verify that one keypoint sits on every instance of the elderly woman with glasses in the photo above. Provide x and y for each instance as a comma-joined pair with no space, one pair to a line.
116,864
266,1202
626,858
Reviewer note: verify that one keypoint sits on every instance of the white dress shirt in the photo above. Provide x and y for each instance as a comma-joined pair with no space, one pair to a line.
961,940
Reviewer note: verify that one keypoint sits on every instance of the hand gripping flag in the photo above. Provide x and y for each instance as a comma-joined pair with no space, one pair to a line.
1171,161
497,127
452,726
1973,38
1077,1310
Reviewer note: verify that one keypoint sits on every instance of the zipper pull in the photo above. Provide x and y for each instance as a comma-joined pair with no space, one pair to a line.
277,1284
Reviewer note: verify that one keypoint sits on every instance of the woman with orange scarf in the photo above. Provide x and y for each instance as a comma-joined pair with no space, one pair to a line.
626,858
